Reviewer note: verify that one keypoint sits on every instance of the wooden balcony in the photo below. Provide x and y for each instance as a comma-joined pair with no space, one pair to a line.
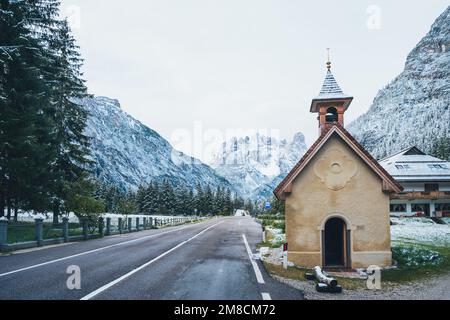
432,195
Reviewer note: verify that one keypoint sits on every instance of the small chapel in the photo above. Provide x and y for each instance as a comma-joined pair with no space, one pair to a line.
337,196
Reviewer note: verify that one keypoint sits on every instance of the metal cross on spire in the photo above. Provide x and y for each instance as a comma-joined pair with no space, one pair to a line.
329,60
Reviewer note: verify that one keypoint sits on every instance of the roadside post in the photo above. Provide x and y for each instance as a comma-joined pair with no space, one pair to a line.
85,225
65,229
285,256
108,226
101,226
145,223
130,222
137,224
120,225
263,233
3,230
39,220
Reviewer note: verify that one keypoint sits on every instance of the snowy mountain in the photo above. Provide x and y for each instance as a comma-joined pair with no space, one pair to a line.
414,108
128,154
254,164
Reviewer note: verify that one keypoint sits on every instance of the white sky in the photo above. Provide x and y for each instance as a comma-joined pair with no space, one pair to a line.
242,64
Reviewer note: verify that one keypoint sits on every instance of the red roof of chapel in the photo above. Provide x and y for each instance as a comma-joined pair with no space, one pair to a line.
389,183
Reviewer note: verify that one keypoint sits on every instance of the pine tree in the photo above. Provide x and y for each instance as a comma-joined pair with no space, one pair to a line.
152,198
72,145
141,203
198,200
191,203
228,203
26,126
208,201
441,148
166,199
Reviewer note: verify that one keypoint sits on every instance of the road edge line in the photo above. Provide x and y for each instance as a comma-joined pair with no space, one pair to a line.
266,296
258,273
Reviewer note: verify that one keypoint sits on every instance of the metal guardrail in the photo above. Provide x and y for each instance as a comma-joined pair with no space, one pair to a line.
26,235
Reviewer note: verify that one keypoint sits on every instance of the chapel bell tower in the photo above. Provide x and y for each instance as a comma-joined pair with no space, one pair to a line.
331,103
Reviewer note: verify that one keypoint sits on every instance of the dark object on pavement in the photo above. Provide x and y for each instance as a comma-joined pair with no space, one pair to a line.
310,276
324,288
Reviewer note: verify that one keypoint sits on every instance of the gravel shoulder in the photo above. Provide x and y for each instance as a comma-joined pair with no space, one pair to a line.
437,288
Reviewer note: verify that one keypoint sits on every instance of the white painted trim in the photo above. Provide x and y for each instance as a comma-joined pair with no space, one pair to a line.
266,296
258,274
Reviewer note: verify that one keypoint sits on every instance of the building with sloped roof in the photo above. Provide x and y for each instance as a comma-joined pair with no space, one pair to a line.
425,180
337,196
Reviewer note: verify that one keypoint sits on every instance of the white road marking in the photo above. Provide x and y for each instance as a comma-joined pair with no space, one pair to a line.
258,274
90,251
266,296
129,274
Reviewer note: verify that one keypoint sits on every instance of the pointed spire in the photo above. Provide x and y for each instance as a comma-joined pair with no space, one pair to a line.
331,92
330,86
329,60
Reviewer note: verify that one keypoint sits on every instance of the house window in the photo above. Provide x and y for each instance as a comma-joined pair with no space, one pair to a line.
437,166
398,207
442,206
431,187
402,166
423,208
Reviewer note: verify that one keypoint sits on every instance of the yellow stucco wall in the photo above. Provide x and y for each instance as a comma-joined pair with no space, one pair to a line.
336,182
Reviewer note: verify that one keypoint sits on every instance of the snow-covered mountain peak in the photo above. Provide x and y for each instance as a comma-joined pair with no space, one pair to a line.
253,161
414,108
128,154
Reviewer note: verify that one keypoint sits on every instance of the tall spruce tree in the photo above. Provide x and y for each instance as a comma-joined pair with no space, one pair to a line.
71,144
441,148
26,126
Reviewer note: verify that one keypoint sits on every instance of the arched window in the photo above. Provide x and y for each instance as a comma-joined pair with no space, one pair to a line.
332,115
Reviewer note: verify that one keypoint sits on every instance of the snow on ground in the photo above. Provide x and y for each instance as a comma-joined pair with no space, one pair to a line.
242,213
278,235
420,230
29,217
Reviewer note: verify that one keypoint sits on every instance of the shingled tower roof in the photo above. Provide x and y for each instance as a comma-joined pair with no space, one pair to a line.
330,92
330,88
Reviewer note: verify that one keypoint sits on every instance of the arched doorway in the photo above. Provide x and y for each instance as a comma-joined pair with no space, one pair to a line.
336,243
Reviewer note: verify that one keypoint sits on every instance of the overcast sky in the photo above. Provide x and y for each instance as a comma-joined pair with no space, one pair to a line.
242,64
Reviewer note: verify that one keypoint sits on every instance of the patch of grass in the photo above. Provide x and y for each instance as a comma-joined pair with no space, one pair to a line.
270,244
270,241
25,231
417,262
279,225
297,273
21,232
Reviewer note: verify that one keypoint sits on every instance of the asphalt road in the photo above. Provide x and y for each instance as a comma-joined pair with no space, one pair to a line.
205,261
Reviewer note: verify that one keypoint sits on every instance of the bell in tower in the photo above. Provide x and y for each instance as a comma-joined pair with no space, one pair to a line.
331,103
